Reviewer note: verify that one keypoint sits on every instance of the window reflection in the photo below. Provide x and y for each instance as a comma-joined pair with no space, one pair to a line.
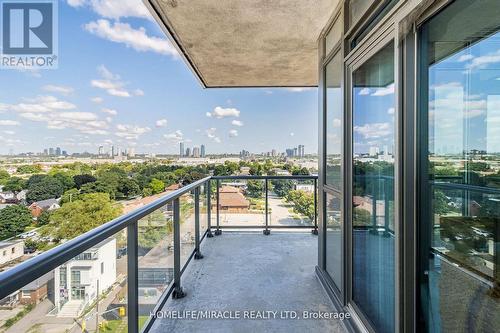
373,188
460,280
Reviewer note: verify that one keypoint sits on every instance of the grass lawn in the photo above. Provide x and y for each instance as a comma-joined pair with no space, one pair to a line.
120,326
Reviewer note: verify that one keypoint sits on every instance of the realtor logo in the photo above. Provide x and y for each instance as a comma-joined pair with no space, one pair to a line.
29,34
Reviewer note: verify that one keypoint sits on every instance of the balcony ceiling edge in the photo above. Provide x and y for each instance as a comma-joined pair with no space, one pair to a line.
241,43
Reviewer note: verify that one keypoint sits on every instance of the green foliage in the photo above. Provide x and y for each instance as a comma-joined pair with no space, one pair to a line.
255,188
300,171
282,187
49,187
29,168
4,176
11,321
99,187
303,202
79,216
43,219
127,188
65,179
14,184
157,186
13,220
70,195
80,180
146,192
478,166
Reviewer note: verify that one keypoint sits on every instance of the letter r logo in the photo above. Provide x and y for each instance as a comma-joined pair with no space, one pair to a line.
27,27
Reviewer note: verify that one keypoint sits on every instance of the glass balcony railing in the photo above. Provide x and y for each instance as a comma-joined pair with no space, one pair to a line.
138,259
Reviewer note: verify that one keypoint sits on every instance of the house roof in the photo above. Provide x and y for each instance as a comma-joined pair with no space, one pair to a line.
173,187
9,243
241,43
229,189
45,203
231,199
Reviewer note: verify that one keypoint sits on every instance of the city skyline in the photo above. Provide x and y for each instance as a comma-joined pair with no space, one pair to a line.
96,100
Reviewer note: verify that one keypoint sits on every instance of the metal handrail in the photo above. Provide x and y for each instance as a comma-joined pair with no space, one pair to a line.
33,268
266,179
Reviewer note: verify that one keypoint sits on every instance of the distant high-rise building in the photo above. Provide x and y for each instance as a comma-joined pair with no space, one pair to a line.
112,151
100,152
65,153
131,152
202,151
58,151
181,149
51,151
301,151
289,152
295,152
188,152
196,152
45,151
373,151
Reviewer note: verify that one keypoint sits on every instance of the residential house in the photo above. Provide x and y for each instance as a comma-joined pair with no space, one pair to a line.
38,207
10,251
79,281
231,200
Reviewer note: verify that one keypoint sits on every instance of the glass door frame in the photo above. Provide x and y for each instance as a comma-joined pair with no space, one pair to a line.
368,48
336,293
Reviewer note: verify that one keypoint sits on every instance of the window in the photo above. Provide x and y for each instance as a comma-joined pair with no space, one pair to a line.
460,204
334,116
373,189
4,253
13,250
334,35
75,277
26,293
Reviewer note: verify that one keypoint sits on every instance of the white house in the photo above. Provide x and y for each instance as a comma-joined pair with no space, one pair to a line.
10,251
80,280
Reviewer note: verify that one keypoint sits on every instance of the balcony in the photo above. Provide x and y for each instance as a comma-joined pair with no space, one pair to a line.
145,268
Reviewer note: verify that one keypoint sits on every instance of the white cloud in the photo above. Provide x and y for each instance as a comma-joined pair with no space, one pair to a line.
299,89
111,112
390,111
161,123
9,123
139,92
176,136
485,60
97,100
337,122
63,90
217,140
384,91
9,132
220,112
211,134
136,39
237,123
114,9
465,57
112,83
374,130
292,134
130,132
364,91
233,133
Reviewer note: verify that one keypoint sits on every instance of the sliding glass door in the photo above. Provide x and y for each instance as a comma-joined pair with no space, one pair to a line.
459,275
373,146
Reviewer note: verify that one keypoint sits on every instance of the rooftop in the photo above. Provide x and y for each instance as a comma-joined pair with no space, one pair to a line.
253,272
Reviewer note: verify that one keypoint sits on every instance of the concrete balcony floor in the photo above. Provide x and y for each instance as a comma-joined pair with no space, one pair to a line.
253,272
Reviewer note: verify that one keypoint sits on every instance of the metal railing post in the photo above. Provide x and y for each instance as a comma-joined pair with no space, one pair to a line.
315,230
178,292
132,278
267,232
218,231
209,209
197,253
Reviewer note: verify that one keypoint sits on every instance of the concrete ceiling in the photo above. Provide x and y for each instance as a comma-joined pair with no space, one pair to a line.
247,43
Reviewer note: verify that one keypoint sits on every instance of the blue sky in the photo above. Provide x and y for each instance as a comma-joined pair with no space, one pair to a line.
114,89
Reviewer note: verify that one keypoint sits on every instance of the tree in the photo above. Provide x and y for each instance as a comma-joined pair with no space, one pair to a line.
70,195
80,180
13,220
99,187
48,188
4,176
35,168
303,202
127,188
14,184
157,186
79,216
282,187
65,179
255,188
43,219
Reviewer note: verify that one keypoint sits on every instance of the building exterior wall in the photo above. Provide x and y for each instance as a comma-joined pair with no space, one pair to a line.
11,252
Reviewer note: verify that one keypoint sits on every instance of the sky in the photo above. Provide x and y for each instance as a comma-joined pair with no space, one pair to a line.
120,82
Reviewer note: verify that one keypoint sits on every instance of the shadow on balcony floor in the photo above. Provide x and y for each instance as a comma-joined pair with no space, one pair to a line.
252,272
